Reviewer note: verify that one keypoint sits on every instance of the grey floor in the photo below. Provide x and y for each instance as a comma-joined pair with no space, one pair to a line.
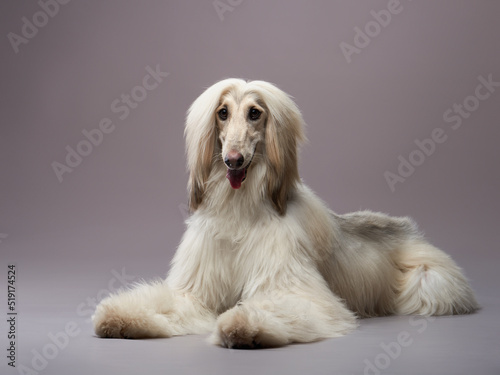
59,283
444,345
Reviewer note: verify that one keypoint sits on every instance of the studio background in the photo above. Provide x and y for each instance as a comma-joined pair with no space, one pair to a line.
121,209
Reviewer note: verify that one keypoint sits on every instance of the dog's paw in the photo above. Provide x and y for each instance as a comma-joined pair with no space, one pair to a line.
242,328
115,320
109,326
235,331
111,322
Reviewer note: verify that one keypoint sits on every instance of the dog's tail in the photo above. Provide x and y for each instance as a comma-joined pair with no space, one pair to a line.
430,283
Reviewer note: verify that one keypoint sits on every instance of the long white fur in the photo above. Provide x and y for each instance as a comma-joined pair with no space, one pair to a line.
269,264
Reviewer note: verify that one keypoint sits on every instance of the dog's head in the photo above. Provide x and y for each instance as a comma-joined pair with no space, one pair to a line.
240,124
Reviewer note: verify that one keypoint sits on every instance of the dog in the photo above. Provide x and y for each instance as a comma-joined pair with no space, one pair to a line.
263,261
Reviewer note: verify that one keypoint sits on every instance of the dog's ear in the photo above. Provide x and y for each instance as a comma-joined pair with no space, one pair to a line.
200,170
284,130
201,138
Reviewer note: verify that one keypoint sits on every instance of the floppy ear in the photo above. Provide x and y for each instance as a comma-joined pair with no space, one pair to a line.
284,130
201,138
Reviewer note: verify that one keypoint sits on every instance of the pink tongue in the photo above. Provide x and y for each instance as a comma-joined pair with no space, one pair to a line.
235,177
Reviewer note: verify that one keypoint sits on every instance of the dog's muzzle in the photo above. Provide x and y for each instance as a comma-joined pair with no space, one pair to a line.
236,176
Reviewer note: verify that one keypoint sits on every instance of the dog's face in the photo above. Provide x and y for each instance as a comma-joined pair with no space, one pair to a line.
235,125
241,126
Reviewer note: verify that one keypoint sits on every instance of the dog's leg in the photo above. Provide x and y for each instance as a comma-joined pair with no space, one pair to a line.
151,310
430,282
283,317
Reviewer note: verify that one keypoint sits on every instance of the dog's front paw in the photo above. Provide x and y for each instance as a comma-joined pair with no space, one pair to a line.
109,324
244,328
116,318
236,332
112,322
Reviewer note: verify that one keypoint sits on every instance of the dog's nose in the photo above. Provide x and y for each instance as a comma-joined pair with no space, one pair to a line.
234,159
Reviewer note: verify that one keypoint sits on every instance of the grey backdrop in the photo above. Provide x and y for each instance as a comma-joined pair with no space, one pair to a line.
121,210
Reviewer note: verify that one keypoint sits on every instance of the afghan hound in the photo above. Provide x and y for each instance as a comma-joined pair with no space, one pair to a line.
263,261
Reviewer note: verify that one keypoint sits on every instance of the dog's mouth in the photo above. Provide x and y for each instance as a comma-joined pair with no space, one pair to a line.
237,176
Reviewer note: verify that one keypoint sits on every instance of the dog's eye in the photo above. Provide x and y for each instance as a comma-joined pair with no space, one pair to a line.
223,114
254,114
